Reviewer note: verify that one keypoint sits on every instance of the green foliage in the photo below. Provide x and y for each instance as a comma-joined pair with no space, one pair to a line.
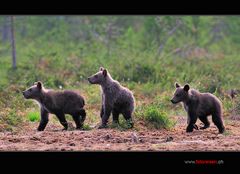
12,118
157,117
237,107
86,127
142,73
123,124
234,108
227,133
33,116
43,54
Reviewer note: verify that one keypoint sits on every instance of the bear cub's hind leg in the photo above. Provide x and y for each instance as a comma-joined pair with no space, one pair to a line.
205,121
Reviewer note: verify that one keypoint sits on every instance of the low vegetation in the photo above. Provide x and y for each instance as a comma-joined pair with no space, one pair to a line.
33,116
158,118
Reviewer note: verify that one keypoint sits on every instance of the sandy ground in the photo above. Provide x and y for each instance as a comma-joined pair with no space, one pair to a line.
53,139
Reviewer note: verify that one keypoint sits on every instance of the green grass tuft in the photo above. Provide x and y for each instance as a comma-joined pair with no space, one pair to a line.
13,119
157,118
33,116
86,127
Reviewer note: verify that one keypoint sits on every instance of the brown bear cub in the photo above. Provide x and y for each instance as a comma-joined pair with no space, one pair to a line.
116,99
199,105
58,103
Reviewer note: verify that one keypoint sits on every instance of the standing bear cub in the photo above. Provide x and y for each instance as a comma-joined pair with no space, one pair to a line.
199,105
116,99
58,103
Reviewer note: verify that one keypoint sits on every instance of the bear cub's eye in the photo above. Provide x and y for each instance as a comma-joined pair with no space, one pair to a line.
177,95
30,90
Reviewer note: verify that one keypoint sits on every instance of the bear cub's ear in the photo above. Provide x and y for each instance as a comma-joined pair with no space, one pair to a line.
104,72
177,85
39,85
186,87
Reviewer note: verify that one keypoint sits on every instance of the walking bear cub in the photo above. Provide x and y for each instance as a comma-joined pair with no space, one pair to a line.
116,99
58,103
199,105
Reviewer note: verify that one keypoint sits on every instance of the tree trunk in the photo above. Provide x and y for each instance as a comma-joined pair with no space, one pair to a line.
14,63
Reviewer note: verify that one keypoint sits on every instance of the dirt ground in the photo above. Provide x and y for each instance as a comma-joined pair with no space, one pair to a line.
53,139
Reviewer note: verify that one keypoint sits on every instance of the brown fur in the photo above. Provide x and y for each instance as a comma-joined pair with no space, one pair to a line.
58,103
199,105
116,99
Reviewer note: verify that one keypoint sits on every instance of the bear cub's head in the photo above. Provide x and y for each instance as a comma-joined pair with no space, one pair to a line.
99,77
34,91
180,94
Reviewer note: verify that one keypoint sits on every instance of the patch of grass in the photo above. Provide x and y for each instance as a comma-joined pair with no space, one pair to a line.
123,124
120,127
226,133
228,106
93,116
93,93
149,89
234,110
157,118
12,118
33,116
113,125
237,106
86,127
67,116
